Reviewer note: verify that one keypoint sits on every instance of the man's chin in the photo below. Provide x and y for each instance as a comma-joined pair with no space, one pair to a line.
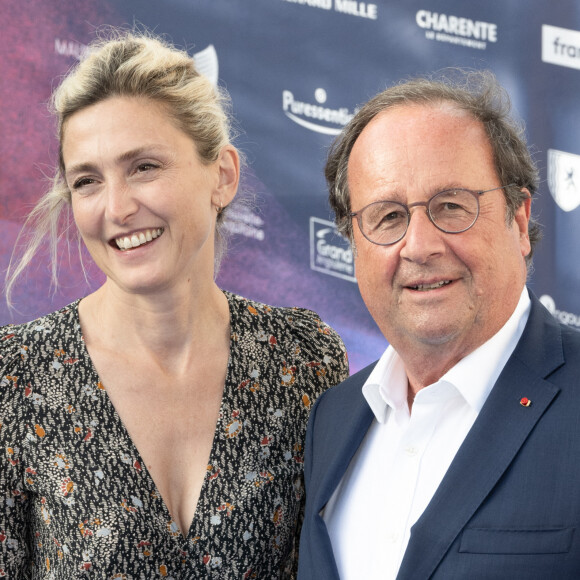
428,332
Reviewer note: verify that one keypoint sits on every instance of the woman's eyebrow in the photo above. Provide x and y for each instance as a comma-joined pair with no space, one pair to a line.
124,157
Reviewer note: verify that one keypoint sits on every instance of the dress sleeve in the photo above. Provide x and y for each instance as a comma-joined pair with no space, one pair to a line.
320,348
319,362
14,516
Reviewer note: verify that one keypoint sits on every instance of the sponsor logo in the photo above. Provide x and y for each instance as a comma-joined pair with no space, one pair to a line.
315,117
206,60
354,8
245,223
350,7
456,29
330,253
324,4
70,48
561,46
564,178
560,315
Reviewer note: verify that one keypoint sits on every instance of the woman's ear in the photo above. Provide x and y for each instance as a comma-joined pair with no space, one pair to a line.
228,164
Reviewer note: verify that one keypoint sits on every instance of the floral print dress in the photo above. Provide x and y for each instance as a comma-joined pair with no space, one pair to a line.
76,499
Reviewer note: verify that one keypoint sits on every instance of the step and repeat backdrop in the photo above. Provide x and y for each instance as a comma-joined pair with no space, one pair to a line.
296,71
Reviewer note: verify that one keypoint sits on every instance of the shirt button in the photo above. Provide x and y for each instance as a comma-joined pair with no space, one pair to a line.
411,450
392,537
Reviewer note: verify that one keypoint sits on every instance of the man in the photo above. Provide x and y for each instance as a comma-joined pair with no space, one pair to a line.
457,454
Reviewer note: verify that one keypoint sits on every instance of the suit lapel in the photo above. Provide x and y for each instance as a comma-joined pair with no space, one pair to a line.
494,440
332,438
338,437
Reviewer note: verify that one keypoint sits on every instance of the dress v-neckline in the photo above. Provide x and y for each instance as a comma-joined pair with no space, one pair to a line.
172,527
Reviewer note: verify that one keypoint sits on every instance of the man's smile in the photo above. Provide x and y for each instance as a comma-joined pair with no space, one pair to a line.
431,286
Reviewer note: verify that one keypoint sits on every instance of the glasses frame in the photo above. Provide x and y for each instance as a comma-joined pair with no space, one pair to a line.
476,194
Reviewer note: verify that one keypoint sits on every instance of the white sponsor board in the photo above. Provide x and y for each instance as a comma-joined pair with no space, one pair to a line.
561,46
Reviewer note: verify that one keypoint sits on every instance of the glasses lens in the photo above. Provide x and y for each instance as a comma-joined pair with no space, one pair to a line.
384,222
454,210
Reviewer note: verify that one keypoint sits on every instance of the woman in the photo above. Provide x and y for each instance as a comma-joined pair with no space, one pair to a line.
111,407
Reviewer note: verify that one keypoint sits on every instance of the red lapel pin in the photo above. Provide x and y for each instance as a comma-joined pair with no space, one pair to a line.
525,402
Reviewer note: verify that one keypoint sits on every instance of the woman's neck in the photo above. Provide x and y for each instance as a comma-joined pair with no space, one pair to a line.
171,327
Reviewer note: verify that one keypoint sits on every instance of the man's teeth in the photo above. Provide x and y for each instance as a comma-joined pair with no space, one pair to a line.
126,243
431,286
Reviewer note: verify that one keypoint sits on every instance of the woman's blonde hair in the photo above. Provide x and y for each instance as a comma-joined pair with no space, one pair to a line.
134,65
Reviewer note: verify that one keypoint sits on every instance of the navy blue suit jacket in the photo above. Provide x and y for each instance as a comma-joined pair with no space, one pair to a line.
509,505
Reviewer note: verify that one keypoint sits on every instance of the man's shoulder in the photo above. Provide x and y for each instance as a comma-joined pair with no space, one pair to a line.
546,339
570,335
549,351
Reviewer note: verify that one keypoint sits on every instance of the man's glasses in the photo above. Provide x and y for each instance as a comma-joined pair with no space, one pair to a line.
452,211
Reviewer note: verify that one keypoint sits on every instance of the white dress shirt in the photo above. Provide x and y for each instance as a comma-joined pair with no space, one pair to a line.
404,456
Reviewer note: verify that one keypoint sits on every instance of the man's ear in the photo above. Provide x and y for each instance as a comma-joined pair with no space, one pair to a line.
522,220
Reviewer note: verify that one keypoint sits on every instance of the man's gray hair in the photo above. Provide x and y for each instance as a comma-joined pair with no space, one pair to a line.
479,94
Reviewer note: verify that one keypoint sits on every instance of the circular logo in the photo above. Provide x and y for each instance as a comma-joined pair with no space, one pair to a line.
320,96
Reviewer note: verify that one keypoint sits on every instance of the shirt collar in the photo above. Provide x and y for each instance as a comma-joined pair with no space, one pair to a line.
473,376
389,373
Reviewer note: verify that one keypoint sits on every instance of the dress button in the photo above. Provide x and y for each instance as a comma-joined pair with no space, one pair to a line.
411,450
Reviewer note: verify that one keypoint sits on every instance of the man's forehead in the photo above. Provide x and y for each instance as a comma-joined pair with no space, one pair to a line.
413,125
425,147
412,116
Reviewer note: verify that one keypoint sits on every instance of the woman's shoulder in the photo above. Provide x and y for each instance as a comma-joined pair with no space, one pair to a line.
19,341
291,318
300,327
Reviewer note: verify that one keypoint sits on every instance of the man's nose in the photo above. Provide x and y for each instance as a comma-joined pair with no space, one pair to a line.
422,240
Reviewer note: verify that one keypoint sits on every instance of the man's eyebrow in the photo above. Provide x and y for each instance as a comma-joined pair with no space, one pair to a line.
452,185
447,187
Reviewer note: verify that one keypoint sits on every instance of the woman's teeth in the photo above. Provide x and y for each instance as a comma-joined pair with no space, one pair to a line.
135,240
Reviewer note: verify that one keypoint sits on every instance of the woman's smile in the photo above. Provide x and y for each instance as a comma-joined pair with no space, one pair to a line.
137,239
